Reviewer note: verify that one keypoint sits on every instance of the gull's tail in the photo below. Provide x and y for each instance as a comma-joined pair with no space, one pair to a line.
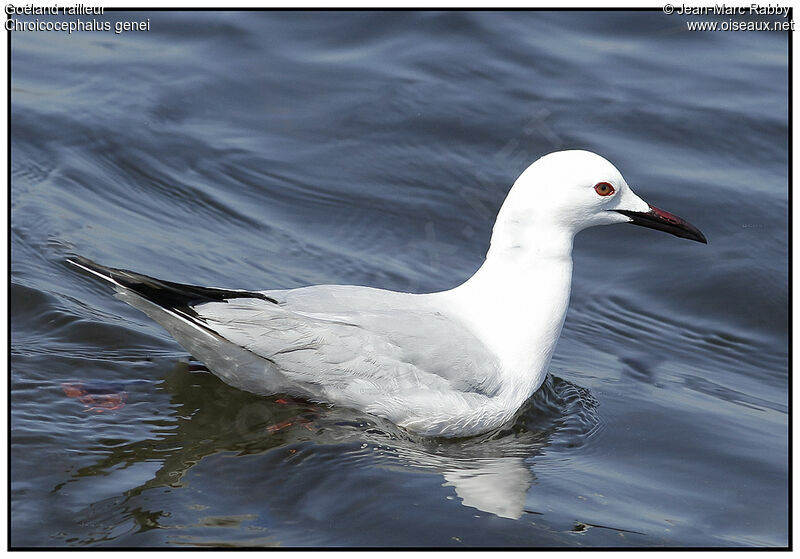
178,297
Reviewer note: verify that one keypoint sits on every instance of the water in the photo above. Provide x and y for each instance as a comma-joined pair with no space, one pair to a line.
277,149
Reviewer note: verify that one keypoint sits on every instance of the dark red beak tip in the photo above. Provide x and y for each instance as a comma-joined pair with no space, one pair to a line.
662,220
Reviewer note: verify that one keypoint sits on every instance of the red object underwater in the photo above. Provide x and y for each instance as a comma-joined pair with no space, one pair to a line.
96,397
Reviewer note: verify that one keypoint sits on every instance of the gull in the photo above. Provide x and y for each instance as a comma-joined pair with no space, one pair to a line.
454,363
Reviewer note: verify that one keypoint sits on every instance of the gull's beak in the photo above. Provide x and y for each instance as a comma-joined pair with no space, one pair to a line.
665,221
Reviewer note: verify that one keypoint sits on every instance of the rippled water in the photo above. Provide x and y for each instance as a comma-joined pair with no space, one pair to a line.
278,149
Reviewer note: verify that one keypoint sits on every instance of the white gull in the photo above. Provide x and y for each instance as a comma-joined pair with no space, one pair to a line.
454,363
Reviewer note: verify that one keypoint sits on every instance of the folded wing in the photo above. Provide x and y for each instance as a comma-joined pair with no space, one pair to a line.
358,346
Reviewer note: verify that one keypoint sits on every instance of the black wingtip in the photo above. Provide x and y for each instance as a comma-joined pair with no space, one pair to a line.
93,268
164,293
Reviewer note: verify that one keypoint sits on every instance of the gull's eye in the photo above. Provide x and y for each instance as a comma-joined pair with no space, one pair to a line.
604,189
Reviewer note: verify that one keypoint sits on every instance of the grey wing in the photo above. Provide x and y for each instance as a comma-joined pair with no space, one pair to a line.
351,345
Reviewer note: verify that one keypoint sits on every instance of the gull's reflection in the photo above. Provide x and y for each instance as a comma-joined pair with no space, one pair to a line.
491,473
497,486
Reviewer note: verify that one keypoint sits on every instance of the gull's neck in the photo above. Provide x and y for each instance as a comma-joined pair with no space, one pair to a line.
516,302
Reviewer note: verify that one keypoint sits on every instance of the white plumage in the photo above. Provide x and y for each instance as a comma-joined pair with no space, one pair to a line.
454,363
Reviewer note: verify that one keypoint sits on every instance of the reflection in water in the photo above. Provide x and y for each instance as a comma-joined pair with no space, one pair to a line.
491,473
497,486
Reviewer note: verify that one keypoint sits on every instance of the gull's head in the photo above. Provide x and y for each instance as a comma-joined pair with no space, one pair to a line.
565,192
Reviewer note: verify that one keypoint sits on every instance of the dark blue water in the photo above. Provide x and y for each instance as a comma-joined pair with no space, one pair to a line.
276,149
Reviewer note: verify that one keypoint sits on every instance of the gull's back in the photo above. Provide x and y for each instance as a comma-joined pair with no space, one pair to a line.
358,342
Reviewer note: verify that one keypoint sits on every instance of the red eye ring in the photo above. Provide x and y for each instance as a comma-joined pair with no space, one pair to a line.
604,189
